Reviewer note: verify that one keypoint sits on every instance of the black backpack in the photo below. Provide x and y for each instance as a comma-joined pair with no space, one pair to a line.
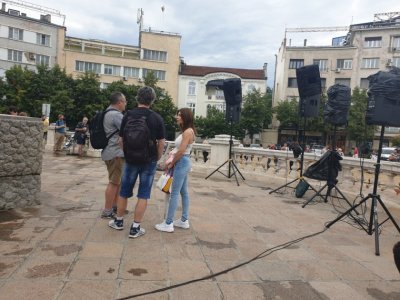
98,137
137,142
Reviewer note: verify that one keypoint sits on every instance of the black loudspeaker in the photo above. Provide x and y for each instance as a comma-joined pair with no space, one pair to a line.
336,110
232,113
384,99
233,97
309,86
232,91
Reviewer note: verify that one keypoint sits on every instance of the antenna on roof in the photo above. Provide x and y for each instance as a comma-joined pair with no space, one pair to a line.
139,20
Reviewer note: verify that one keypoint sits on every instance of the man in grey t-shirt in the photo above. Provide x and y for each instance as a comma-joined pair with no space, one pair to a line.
112,154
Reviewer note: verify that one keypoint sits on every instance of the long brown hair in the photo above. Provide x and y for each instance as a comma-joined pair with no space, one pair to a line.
187,119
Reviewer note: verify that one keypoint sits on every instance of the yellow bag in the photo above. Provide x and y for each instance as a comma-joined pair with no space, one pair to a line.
164,183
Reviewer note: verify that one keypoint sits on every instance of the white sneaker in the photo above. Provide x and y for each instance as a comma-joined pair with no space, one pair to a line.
165,227
181,224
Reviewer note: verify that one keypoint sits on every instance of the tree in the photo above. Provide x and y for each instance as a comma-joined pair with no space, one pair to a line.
167,109
357,129
287,113
256,112
212,125
18,81
396,141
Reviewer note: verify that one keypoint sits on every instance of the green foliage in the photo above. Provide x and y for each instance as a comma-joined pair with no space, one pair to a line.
287,113
256,112
396,141
211,125
74,98
357,129
150,79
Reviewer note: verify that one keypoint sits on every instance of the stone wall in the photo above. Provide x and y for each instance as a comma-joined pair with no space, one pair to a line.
20,161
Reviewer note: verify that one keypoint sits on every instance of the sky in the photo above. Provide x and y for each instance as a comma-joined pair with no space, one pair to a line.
235,34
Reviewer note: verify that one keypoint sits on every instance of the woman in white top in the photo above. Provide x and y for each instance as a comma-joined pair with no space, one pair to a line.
182,165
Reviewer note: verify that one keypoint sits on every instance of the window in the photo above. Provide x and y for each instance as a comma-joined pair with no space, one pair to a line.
370,63
42,59
192,88
344,64
396,43
364,83
43,39
104,85
396,62
131,72
15,55
373,42
296,63
112,70
15,33
154,55
344,81
322,63
192,107
292,82
159,74
84,66
219,95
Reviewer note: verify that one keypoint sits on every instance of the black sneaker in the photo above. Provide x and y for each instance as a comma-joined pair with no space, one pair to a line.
116,224
136,232
114,209
107,214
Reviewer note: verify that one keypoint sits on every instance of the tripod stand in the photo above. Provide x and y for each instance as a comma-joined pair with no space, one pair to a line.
300,177
373,225
232,168
331,180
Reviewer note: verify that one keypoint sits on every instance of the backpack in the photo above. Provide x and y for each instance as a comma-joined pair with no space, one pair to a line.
98,137
137,142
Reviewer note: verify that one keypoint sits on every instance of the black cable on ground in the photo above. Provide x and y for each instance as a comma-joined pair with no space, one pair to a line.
261,255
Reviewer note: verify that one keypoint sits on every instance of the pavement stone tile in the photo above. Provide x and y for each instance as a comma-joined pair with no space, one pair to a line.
32,290
101,249
69,233
351,270
97,269
154,270
382,290
241,274
336,290
8,265
184,269
240,291
134,287
15,248
42,268
274,270
58,249
25,234
288,290
197,291
313,271
89,290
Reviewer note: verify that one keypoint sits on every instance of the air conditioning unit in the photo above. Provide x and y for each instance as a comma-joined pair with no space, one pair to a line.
31,56
394,49
140,79
389,63
124,78
337,70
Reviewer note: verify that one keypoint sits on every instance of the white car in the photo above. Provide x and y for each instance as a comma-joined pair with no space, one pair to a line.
386,151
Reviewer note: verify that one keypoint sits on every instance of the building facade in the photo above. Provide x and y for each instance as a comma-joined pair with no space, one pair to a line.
27,42
349,60
197,94
158,52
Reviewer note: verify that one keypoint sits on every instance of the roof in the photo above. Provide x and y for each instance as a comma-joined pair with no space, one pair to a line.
242,73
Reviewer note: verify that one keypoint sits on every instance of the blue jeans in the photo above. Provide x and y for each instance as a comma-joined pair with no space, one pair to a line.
180,186
131,173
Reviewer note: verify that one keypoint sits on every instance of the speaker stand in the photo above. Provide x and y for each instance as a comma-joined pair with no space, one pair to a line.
331,180
232,168
300,177
373,225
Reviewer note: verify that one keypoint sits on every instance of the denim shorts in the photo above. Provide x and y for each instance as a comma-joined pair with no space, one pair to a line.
131,173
